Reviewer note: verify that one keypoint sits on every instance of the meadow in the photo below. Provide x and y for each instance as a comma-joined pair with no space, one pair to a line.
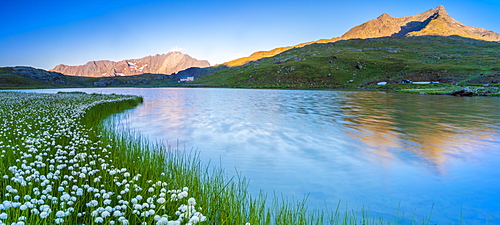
56,169
61,165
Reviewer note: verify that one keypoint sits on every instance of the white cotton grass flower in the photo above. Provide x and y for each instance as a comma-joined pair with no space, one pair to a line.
99,220
92,203
117,213
182,195
105,214
44,215
60,214
194,219
191,201
161,200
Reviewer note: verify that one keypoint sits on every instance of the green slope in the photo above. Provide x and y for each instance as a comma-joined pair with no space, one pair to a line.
27,77
360,62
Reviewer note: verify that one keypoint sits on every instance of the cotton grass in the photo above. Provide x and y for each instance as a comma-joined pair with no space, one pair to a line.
56,168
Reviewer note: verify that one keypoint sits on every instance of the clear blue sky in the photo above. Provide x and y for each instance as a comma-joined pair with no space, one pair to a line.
43,34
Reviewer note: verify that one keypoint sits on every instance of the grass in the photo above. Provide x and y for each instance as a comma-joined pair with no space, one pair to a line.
62,165
364,62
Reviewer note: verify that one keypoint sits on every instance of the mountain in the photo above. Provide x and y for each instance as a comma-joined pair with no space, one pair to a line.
169,63
432,22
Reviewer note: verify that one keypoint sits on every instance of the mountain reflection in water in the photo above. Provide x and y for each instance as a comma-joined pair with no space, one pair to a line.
433,128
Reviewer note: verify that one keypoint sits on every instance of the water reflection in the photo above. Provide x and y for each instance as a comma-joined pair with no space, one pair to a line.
379,150
433,128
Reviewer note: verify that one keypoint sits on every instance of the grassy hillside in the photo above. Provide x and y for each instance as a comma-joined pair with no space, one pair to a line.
357,63
27,77
262,54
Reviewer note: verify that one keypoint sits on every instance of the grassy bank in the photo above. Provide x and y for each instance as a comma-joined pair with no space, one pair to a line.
61,165
439,89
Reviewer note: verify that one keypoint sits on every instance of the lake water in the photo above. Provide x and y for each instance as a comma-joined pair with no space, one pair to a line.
381,151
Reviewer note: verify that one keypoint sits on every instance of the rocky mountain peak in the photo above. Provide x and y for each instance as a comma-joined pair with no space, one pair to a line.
169,63
440,9
434,21
385,16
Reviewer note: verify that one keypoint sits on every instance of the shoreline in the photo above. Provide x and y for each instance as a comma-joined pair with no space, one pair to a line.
470,90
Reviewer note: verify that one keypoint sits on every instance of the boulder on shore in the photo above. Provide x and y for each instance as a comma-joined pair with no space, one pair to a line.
466,92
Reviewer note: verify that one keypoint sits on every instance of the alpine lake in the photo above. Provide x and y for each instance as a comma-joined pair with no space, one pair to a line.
387,154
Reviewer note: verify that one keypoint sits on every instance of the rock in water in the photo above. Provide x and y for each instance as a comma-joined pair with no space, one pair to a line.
463,93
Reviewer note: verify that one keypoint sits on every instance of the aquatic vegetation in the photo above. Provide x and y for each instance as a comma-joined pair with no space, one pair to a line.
56,169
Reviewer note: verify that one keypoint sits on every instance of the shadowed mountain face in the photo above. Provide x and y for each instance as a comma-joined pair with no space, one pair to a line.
169,63
432,22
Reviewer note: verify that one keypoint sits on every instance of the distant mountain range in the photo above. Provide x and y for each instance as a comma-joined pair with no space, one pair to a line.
169,63
432,22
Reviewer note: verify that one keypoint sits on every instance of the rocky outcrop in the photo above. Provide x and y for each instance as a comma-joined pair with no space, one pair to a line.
169,63
197,72
485,90
431,22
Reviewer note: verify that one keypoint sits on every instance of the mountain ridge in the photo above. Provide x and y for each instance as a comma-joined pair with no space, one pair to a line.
434,21
169,63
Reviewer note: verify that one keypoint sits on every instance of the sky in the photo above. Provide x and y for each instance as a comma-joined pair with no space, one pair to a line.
43,34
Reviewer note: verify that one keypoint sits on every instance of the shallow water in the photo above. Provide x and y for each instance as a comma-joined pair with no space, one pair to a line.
381,151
